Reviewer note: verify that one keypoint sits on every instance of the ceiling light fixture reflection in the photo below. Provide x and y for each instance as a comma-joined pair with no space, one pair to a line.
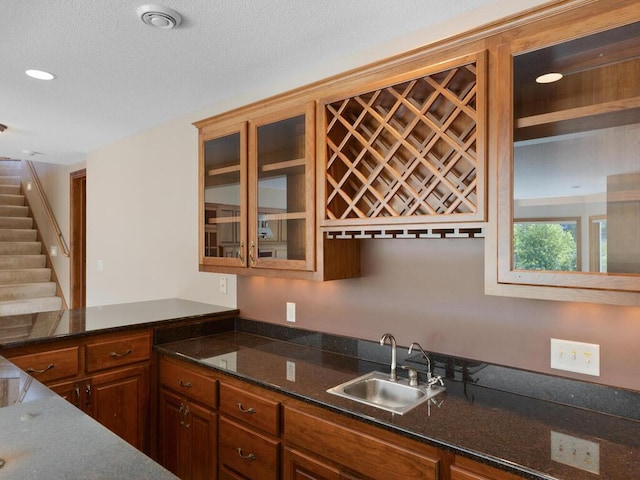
40,74
549,77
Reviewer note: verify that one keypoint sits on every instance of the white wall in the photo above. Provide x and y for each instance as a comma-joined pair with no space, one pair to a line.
142,220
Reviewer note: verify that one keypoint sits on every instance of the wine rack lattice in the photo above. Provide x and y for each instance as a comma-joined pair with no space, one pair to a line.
407,150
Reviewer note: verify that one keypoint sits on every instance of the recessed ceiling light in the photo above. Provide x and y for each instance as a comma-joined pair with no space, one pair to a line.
549,77
40,74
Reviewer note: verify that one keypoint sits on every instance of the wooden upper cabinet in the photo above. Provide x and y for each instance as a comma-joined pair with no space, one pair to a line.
408,149
281,193
568,169
257,197
223,195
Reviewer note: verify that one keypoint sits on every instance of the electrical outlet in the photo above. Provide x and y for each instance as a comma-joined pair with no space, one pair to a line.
575,452
291,312
291,371
100,265
223,285
575,357
53,250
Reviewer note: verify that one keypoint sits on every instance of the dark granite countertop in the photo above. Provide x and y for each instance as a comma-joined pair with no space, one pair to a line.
513,431
18,330
44,436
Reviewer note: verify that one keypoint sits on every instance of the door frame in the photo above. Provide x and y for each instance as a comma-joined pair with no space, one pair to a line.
78,232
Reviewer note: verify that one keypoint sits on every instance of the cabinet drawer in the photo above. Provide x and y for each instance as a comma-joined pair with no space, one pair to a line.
184,380
248,452
354,449
50,365
114,353
251,409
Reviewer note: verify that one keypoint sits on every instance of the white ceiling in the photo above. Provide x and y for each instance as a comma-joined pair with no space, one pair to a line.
117,76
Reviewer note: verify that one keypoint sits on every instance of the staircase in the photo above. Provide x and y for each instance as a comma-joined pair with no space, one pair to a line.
25,282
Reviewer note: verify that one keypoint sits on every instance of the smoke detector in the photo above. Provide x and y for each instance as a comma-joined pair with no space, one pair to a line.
159,17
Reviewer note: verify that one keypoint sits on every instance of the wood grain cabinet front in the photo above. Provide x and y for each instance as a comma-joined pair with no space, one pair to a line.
351,451
117,352
50,365
187,437
247,452
190,382
104,375
257,412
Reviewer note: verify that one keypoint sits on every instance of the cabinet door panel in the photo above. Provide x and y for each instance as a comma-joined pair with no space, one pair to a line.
223,193
201,424
281,180
173,442
119,401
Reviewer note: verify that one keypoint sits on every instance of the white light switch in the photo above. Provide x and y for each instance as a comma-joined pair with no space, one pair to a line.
575,357
291,312
100,265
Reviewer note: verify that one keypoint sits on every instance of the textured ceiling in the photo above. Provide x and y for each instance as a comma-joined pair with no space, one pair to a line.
117,76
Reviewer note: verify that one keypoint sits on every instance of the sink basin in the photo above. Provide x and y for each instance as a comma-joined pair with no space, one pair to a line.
375,389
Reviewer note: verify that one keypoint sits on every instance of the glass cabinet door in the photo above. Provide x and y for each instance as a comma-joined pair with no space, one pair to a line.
224,192
572,215
281,206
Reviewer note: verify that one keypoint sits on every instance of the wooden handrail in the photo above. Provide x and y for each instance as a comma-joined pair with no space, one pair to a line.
47,207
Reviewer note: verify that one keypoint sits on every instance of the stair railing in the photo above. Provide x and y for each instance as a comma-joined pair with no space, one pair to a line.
47,207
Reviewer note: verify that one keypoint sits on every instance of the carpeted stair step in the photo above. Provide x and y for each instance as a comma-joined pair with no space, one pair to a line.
25,275
17,235
21,307
20,248
13,211
10,167
10,179
16,222
27,290
14,262
7,199
10,189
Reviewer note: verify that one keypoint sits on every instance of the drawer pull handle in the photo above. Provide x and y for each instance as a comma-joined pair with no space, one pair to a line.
120,355
184,384
247,410
45,369
251,456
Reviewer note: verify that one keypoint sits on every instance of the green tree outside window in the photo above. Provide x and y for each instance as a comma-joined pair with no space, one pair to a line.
545,246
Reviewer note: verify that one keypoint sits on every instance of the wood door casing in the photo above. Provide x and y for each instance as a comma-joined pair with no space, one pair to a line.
78,252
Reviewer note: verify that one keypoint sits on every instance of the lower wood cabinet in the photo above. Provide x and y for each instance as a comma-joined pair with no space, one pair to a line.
119,400
216,427
105,375
187,437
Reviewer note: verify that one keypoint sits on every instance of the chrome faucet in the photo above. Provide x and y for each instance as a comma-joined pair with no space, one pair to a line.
426,357
392,342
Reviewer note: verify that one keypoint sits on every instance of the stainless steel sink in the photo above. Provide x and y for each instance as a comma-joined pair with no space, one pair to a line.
375,389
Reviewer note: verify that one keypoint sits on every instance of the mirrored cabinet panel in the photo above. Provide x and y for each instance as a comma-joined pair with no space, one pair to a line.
569,189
